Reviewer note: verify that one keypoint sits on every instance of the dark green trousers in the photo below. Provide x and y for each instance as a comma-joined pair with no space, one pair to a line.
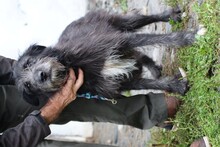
140,111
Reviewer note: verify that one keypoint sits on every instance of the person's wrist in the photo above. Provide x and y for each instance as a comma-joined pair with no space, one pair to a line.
37,114
51,110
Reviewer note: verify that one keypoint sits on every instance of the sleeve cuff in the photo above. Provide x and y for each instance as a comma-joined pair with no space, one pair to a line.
37,114
40,119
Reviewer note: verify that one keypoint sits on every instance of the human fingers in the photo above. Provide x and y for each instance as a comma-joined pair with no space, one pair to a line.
72,75
79,81
69,83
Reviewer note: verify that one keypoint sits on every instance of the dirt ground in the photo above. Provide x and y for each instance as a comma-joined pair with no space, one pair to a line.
126,136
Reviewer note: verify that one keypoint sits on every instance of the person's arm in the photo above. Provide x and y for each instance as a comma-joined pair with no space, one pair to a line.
27,134
35,127
6,73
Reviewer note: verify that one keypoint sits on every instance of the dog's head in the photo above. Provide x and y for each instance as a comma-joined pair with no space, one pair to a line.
38,75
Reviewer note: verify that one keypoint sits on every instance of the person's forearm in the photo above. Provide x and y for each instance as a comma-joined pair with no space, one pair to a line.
51,110
27,134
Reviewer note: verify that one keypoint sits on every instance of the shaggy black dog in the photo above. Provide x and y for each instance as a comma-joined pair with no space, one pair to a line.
103,46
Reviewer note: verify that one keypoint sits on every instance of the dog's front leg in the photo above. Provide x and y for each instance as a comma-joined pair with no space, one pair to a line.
176,39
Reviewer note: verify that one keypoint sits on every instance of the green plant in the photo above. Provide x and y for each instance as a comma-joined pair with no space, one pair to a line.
123,4
200,114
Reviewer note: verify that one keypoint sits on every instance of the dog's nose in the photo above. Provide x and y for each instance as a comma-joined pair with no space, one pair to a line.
43,76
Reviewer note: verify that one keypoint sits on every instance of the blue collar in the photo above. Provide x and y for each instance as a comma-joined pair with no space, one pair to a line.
89,96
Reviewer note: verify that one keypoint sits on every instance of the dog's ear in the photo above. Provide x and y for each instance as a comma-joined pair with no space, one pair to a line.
31,99
34,50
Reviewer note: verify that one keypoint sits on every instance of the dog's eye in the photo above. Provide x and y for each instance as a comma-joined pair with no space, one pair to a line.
27,64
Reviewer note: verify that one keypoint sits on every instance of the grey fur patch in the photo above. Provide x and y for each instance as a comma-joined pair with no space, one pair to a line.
117,68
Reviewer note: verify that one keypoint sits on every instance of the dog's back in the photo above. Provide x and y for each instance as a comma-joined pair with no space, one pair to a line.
100,49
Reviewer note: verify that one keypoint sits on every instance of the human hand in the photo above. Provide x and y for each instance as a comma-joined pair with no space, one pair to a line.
68,93
62,98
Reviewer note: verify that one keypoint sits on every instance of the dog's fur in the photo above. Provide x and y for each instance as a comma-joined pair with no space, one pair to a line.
103,46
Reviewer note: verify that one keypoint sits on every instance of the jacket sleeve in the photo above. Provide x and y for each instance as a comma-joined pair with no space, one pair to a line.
6,71
27,134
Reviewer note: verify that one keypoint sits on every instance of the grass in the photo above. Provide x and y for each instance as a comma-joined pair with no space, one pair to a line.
123,4
200,114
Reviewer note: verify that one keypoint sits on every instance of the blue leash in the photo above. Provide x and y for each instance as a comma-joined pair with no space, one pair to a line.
89,96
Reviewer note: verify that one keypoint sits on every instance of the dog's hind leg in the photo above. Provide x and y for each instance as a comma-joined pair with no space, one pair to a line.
136,21
175,85
176,39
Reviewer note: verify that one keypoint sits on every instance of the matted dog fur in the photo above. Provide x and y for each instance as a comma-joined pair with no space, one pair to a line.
103,46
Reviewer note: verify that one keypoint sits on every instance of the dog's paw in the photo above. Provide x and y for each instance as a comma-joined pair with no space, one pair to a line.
189,37
186,38
174,14
179,84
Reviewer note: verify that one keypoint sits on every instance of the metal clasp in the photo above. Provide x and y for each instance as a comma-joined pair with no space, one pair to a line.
111,100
